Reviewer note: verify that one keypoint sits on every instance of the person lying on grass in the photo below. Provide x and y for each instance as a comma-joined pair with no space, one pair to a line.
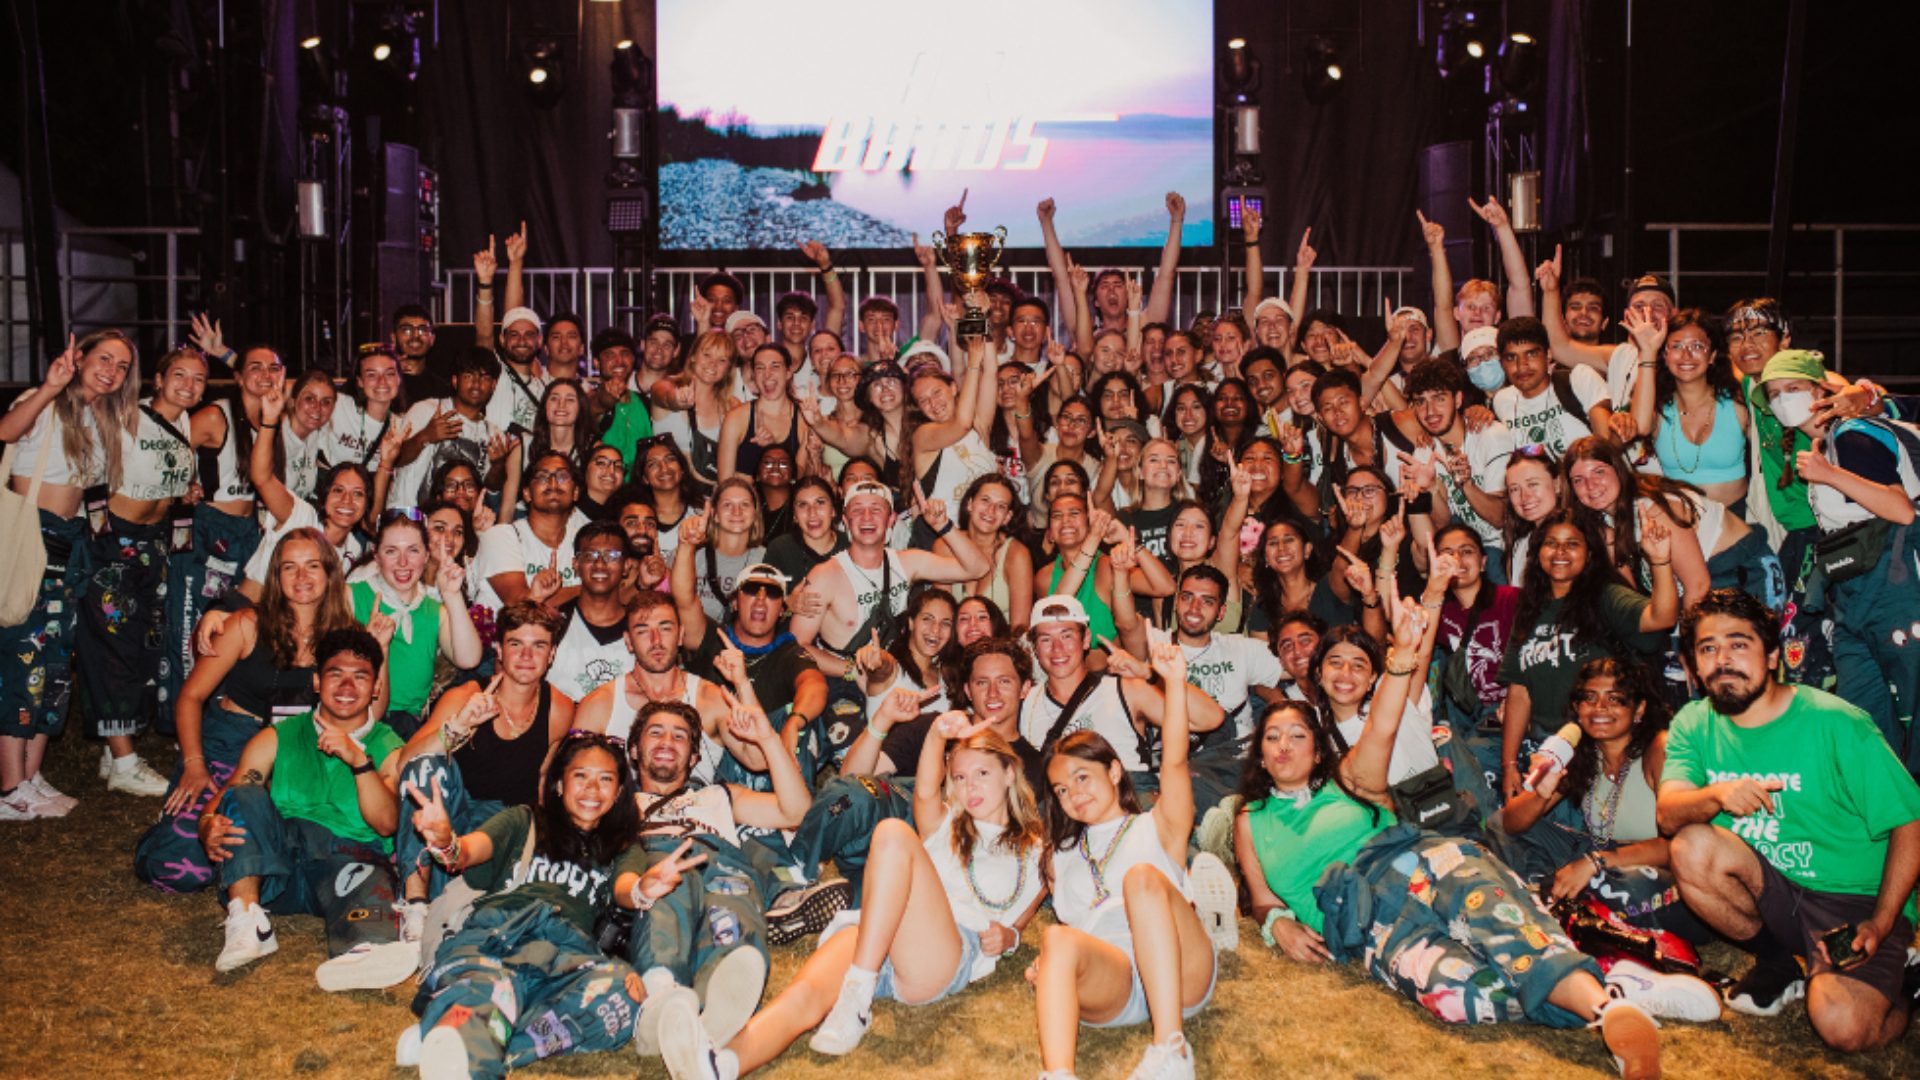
945,897
1129,947
1450,928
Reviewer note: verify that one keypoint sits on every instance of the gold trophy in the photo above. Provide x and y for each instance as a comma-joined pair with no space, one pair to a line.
970,258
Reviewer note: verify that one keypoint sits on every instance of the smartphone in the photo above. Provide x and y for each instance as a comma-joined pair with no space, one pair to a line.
1840,950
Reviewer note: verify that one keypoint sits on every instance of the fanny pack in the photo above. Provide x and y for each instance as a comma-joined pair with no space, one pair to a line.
1427,800
1851,552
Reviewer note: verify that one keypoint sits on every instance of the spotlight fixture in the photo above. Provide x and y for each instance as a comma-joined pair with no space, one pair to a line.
1239,72
1519,66
394,45
1321,75
310,43
1467,30
544,68
624,45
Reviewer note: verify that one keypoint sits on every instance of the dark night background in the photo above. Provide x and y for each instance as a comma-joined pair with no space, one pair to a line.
1705,75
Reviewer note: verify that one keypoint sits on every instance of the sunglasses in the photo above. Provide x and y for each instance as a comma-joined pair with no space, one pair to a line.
388,517
763,588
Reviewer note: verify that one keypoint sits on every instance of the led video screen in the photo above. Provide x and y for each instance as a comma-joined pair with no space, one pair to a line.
858,122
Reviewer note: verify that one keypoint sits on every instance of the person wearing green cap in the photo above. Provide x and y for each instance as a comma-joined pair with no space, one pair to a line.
1864,572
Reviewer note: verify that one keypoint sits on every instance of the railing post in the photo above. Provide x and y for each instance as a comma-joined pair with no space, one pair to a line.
173,285
1673,262
1839,291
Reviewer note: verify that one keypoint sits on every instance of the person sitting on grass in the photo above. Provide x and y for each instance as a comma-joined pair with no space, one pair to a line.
946,896
1129,946
523,978
305,827
1791,821
1474,947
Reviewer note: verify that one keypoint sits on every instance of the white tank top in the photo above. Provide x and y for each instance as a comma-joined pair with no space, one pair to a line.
582,665
303,458
1087,877
906,679
235,486
707,810
956,468
1104,712
1002,885
154,464
866,591
59,470
620,726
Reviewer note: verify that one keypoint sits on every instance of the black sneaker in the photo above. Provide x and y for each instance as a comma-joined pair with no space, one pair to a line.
1774,981
799,912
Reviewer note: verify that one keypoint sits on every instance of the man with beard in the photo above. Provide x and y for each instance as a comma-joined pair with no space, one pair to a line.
1472,472
1121,704
532,559
1584,309
593,650
1233,669
637,518
412,340
705,942
1796,831
516,401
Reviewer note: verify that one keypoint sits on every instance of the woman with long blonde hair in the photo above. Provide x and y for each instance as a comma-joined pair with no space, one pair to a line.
261,669
72,423
700,397
944,897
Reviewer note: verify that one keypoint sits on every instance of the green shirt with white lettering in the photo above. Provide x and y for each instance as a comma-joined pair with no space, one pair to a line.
1843,791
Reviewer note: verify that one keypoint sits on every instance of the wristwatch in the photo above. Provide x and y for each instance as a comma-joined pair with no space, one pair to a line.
366,766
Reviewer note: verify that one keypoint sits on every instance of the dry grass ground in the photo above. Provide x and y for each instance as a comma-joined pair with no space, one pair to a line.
110,979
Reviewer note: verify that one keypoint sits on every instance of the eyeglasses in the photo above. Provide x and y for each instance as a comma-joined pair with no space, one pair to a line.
608,463
1074,421
1689,348
608,558
1365,491
459,485
412,330
762,588
552,476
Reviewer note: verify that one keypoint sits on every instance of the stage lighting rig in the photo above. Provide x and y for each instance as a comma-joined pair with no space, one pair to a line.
1519,66
543,71
1321,76
394,44
1239,72
1469,34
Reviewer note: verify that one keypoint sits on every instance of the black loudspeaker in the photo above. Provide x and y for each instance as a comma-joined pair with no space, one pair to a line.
400,194
449,341
1446,182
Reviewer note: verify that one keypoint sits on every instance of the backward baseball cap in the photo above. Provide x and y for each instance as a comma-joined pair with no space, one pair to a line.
868,487
1050,609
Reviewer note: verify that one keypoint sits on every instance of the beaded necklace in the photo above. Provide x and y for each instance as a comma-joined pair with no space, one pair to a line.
1602,829
998,907
1101,894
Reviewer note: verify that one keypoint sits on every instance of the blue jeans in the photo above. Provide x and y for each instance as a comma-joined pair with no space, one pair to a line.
222,545
36,657
169,857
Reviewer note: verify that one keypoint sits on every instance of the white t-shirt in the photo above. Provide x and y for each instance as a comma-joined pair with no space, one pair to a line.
304,516
1487,452
1413,751
59,470
1225,667
582,663
153,463
303,458
469,446
1623,369
506,548
513,403
1541,420
352,435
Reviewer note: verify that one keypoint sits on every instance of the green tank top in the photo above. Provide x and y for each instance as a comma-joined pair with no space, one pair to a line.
409,664
1099,615
1295,845
319,787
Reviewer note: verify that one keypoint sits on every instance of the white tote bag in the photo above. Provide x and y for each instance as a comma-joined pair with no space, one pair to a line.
20,538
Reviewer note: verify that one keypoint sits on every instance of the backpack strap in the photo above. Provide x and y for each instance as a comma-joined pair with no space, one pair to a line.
1569,400
1087,686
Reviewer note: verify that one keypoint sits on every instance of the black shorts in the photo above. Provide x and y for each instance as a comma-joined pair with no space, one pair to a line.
1798,917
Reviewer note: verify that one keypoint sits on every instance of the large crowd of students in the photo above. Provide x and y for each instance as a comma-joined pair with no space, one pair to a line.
1510,661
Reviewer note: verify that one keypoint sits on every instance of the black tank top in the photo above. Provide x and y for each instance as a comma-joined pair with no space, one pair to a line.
260,687
746,457
507,770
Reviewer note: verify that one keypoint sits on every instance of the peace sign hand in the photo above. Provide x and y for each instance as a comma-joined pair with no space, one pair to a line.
431,820
664,876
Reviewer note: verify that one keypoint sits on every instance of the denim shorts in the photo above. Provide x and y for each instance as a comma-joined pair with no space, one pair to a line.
1136,1011
883,987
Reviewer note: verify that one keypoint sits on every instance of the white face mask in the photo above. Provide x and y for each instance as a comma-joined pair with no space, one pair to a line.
1793,408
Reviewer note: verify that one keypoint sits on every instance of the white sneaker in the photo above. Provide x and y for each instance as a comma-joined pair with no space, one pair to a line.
1216,899
847,1024
249,936
1674,997
1170,1060
49,800
135,777
1215,834
1632,1037
687,1048
443,1055
368,966
646,1026
406,1052
733,993
106,762
20,806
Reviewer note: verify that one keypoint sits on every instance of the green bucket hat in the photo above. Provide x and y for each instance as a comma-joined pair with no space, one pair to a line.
1787,364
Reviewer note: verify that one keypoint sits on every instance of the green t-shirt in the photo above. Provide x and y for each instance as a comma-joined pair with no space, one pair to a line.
629,422
409,663
579,892
1845,791
1546,660
1789,504
318,787
1296,845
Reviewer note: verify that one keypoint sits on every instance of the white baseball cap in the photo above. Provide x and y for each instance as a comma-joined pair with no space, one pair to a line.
741,318
1414,314
1050,609
1484,337
521,314
1273,301
869,487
